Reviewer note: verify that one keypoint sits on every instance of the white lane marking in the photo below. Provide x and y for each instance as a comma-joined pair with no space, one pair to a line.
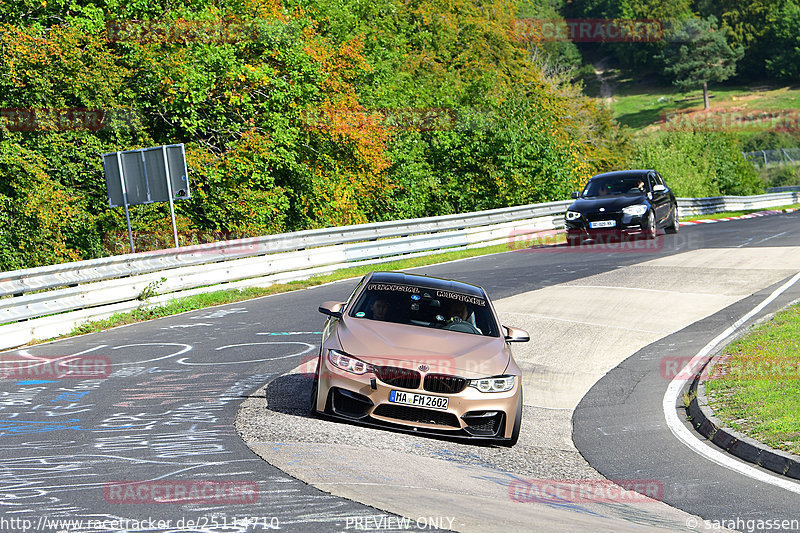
282,333
548,408
308,346
688,438
47,359
771,237
186,348
180,326
219,313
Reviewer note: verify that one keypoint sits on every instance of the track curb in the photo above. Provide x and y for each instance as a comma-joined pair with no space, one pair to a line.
737,444
740,217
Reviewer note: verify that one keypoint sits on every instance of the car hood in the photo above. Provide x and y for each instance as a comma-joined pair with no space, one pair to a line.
442,351
610,203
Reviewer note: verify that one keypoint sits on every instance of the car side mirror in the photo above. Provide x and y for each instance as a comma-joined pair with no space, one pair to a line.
334,309
574,195
659,188
516,334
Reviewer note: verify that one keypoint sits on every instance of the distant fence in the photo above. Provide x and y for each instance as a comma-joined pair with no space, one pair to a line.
767,158
44,302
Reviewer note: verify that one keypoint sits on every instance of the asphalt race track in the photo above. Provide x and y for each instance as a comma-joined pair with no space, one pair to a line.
149,443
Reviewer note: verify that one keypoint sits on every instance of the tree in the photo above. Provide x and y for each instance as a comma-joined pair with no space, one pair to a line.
748,24
784,62
700,53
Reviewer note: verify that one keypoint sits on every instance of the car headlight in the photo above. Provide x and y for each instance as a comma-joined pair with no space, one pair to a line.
572,215
496,384
348,363
636,210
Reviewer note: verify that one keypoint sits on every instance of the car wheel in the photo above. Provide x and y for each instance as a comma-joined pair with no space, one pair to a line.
312,403
517,426
650,227
674,224
573,240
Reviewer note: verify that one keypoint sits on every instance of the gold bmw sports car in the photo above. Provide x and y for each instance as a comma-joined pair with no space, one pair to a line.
421,354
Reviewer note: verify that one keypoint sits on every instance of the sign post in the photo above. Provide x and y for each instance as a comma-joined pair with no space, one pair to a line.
169,195
125,201
145,176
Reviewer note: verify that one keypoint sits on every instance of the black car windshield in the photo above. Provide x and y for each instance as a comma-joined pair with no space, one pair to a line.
426,307
616,185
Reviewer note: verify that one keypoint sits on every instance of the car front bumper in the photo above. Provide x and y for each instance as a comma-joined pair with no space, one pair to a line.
364,398
624,225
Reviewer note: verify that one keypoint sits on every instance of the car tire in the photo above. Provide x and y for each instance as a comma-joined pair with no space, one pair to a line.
573,240
674,224
517,426
650,226
312,402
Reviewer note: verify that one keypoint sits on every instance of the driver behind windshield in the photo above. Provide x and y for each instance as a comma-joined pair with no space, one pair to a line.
457,311
613,187
379,309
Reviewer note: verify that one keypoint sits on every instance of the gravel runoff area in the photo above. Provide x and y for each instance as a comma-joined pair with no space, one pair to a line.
278,412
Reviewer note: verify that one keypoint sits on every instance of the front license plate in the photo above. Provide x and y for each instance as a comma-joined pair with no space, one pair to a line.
419,400
603,224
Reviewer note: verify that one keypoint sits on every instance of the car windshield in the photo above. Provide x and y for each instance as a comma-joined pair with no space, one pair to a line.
613,186
426,307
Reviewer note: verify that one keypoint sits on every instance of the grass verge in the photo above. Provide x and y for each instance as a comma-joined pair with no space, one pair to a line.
639,104
755,389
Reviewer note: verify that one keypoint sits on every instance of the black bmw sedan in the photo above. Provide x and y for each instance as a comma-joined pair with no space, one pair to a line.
625,202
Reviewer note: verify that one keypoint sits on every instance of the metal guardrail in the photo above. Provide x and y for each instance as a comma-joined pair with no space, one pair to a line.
787,188
721,204
47,301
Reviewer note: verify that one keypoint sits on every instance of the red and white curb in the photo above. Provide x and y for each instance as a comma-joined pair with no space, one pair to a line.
740,217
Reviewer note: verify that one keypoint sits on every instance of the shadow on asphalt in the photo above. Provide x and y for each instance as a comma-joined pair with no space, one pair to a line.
290,395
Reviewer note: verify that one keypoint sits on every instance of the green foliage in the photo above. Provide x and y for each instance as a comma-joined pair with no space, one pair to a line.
559,54
44,223
294,116
748,25
698,164
515,130
754,387
783,176
771,140
150,290
632,55
784,61
766,31
700,54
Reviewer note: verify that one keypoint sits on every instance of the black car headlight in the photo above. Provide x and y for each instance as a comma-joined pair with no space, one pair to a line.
635,210
495,384
348,363
572,215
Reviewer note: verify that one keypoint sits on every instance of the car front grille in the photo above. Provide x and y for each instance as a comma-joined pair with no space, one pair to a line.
398,377
414,414
444,384
605,215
